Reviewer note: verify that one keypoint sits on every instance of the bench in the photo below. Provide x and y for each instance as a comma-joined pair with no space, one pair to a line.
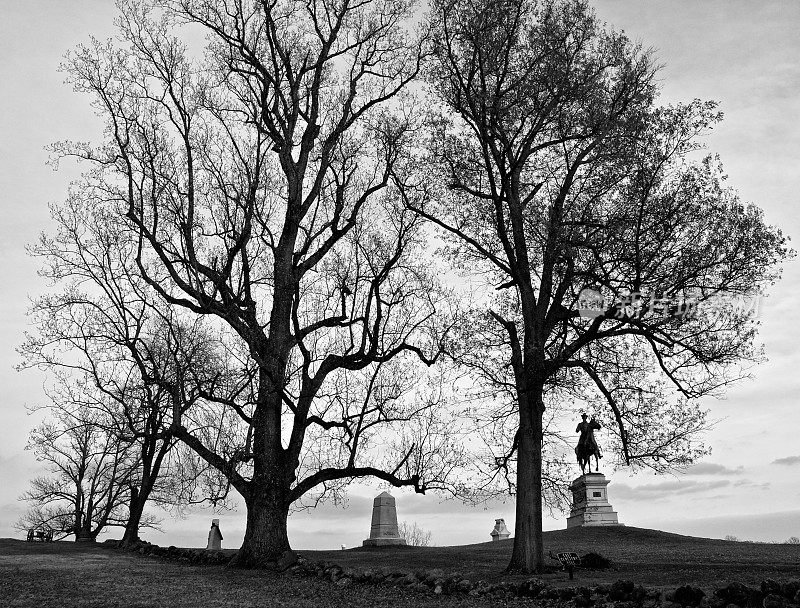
45,536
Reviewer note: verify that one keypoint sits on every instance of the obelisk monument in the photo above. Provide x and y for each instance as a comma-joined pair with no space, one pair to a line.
384,523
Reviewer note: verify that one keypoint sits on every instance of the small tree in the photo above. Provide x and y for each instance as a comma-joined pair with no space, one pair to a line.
89,472
100,326
414,534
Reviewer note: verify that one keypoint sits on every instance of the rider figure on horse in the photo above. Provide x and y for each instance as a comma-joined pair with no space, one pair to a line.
587,444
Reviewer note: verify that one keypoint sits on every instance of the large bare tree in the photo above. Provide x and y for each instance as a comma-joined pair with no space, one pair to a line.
262,184
559,177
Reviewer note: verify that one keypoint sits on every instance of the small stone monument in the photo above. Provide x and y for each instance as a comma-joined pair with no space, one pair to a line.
214,536
384,523
590,506
500,531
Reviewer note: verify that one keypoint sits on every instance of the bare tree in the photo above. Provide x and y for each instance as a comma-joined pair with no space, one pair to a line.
89,472
558,174
264,187
102,326
414,534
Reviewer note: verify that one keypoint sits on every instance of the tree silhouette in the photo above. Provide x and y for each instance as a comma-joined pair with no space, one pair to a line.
264,186
556,175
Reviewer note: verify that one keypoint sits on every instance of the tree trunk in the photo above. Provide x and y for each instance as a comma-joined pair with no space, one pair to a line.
266,540
83,528
528,553
138,500
84,534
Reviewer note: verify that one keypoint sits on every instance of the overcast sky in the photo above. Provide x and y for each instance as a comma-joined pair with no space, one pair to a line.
738,52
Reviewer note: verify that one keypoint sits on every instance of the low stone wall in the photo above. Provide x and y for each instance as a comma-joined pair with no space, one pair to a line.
621,594
191,556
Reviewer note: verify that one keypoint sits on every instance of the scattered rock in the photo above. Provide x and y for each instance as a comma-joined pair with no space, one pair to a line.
548,594
773,600
740,595
333,572
790,589
532,588
620,591
688,596
769,587
639,594
410,579
286,560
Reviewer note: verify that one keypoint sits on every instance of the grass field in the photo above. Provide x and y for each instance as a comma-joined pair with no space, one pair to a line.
650,557
66,574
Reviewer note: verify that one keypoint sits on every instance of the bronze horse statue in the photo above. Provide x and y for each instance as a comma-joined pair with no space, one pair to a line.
587,446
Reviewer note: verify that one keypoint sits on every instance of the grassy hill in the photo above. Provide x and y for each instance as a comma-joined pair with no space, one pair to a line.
37,575
649,557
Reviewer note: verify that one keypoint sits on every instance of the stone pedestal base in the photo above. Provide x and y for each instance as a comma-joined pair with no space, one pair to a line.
380,542
590,506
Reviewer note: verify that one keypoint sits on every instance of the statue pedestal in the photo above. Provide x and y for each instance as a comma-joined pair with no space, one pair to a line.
590,506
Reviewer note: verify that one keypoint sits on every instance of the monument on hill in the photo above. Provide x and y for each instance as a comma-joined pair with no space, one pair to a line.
590,506
214,536
500,531
384,523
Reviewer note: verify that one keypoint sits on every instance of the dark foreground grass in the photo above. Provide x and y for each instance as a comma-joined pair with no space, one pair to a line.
38,575
648,557
66,575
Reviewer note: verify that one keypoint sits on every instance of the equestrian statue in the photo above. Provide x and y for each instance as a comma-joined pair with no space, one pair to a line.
587,444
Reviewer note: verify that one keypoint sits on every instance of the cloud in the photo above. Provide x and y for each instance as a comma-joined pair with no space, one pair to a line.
761,526
788,461
665,489
712,468
746,483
